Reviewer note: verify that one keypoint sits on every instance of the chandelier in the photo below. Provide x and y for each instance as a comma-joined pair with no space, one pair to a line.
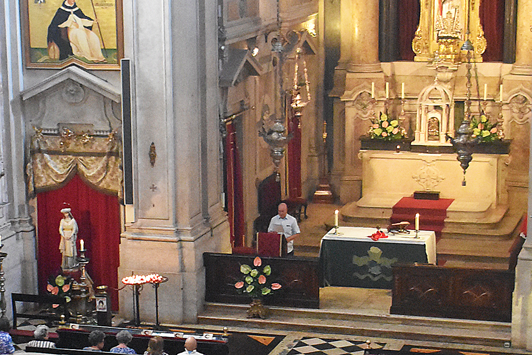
464,140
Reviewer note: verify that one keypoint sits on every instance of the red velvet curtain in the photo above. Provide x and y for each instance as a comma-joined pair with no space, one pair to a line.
492,19
98,218
408,23
294,152
235,188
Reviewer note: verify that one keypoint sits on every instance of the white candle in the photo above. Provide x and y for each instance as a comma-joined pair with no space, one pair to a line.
402,90
417,222
372,90
387,89
500,93
336,218
81,244
485,91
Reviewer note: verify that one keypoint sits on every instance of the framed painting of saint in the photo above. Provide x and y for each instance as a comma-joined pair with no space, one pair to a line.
58,33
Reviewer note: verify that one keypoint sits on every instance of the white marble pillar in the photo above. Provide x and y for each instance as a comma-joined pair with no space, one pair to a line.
523,55
177,199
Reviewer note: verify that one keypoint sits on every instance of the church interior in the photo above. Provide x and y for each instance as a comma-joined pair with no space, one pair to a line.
146,147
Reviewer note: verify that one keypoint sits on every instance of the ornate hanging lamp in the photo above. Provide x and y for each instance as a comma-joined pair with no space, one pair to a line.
464,140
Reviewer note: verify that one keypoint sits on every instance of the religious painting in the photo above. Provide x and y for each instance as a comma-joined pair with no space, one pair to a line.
59,33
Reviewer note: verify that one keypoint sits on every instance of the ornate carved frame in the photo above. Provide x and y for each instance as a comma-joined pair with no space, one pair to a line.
425,42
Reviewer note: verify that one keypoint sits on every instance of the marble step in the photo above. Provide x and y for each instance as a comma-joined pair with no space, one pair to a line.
452,331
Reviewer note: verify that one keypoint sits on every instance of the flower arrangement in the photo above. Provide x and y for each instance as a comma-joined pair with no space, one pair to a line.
60,285
386,128
484,129
255,282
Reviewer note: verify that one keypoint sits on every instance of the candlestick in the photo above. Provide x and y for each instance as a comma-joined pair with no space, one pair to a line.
485,91
336,219
81,244
500,93
402,90
417,222
387,89
372,90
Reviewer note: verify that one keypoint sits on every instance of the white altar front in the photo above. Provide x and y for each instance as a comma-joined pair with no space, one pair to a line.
387,176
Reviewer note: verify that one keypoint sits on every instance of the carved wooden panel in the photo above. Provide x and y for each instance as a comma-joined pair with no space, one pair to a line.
299,278
429,290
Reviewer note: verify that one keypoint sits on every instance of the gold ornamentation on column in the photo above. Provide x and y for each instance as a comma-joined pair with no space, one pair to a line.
152,154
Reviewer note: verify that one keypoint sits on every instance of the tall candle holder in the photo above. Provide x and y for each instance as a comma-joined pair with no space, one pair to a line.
2,283
83,286
500,122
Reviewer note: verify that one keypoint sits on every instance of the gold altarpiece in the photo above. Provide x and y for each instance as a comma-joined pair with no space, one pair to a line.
442,30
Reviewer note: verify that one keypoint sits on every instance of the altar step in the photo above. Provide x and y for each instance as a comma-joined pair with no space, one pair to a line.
347,322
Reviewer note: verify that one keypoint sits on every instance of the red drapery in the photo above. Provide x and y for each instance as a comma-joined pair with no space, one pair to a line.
98,218
408,23
235,188
491,14
294,152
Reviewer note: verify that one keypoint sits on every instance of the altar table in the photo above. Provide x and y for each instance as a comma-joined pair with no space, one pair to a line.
353,259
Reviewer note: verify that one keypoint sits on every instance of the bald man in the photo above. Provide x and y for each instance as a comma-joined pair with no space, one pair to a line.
190,347
285,224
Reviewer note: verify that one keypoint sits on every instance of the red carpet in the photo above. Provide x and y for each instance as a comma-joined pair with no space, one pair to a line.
432,213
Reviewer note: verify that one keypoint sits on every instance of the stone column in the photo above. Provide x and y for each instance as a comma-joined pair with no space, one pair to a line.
365,32
523,55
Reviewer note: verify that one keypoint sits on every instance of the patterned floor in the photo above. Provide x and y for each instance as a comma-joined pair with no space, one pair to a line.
317,346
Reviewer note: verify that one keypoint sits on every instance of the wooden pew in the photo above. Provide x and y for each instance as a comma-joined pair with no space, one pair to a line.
66,351
40,300
452,292
299,277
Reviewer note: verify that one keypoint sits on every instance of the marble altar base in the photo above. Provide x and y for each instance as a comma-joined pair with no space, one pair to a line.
388,176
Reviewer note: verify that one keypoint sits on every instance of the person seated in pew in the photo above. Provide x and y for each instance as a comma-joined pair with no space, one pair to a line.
6,343
123,338
40,336
190,347
285,224
155,346
96,340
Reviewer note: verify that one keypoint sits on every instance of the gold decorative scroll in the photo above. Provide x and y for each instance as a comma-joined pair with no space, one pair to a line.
55,159
428,46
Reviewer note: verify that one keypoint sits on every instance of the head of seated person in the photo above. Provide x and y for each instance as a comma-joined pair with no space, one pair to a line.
155,346
96,341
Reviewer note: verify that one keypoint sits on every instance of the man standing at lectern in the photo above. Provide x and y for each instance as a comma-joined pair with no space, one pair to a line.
285,224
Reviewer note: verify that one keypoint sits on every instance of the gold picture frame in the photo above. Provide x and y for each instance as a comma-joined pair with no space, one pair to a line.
431,17
59,33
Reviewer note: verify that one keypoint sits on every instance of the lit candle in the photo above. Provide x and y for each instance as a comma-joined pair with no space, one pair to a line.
336,218
387,89
485,91
372,90
500,93
81,244
402,90
417,221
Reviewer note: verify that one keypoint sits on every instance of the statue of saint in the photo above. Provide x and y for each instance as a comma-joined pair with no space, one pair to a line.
68,228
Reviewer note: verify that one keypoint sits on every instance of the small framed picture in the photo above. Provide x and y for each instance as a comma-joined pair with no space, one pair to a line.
101,305
58,33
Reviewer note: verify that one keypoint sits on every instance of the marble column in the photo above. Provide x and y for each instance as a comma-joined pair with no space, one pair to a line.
523,55
365,32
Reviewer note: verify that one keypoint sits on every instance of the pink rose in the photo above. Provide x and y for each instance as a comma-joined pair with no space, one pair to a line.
66,287
384,134
257,262
493,130
262,279
276,286
55,290
480,126
384,124
49,288
395,130
375,125
239,284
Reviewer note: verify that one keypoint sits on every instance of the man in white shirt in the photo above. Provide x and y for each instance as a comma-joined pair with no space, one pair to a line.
285,224
190,347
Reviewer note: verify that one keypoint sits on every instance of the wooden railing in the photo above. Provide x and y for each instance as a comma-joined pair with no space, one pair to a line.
452,292
299,278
